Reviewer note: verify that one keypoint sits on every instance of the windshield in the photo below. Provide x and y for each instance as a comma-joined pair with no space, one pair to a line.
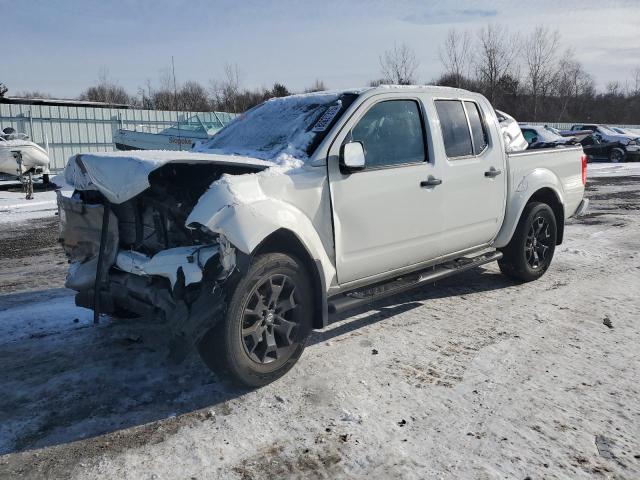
288,126
606,130
541,134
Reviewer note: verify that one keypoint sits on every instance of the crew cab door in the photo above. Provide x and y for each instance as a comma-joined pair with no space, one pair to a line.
474,177
389,214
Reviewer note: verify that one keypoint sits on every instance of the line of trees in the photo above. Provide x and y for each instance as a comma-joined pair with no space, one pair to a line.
226,94
223,95
531,76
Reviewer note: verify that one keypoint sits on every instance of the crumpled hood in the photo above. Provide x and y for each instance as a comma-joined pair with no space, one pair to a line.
624,139
120,176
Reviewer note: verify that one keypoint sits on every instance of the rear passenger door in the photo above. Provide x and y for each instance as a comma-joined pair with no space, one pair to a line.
474,177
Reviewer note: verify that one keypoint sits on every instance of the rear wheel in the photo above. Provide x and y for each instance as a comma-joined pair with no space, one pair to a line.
617,155
266,325
530,251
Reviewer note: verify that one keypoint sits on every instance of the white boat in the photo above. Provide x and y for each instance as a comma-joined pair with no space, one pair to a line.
181,136
31,157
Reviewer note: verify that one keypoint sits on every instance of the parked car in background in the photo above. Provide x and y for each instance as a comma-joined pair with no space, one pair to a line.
538,136
607,144
625,131
578,134
309,205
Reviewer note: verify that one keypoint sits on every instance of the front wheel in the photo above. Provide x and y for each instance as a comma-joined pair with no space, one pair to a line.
530,251
266,325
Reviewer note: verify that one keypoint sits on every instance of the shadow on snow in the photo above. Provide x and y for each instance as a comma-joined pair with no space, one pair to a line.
65,379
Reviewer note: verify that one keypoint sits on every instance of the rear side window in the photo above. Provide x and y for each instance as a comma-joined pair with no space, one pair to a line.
391,133
455,129
478,132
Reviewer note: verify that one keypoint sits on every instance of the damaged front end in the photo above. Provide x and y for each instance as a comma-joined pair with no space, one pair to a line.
139,257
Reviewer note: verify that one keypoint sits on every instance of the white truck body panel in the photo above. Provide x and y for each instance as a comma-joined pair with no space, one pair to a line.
366,225
533,170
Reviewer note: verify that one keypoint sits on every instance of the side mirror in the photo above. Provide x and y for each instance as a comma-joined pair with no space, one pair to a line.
534,140
351,157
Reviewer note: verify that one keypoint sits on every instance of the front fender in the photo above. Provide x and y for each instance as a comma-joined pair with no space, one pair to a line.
523,189
241,212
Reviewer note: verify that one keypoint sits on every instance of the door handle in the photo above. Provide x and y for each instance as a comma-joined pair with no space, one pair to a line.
492,172
431,182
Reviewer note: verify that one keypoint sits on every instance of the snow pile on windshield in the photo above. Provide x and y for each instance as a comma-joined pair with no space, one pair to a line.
281,129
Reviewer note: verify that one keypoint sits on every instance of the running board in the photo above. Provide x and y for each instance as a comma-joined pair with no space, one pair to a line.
356,298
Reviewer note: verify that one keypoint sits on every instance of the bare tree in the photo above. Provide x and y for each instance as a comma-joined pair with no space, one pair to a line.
614,88
145,95
317,86
226,92
107,91
540,49
456,57
399,65
3,89
33,94
193,97
572,81
636,81
378,82
494,59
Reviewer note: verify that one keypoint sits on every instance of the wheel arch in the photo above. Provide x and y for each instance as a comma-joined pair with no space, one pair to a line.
286,241
547,194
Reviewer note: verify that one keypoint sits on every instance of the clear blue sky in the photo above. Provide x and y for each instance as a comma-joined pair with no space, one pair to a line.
59,47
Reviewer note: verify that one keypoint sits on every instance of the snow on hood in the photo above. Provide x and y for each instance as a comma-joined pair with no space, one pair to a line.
120,176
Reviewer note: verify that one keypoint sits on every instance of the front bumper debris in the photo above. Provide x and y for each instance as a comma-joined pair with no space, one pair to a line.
167,263
80,235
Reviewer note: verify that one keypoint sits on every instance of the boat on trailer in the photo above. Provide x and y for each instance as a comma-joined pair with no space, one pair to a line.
180,136
19,155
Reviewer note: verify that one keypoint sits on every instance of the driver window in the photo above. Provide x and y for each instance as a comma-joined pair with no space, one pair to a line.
391,133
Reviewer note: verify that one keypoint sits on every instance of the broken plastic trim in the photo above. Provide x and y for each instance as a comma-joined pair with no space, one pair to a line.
191,260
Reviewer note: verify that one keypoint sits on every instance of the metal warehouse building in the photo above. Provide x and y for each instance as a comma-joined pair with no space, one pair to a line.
72,126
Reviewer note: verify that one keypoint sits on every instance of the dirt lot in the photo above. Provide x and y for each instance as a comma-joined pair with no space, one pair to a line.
475,377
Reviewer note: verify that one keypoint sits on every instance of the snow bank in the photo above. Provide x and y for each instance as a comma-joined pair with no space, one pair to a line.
598,170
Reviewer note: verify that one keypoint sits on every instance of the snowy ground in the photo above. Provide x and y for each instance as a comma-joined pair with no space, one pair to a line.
14,207
599,170
475,377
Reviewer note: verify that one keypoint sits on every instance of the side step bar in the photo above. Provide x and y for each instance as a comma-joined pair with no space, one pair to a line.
356,298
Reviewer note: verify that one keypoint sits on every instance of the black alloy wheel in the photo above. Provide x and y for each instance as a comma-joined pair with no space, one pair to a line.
538,243
269,324
529,253
263,330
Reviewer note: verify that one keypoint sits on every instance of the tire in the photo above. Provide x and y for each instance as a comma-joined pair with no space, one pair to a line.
530,251
617,155
275,332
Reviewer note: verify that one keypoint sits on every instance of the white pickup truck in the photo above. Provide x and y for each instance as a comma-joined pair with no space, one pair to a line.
306,206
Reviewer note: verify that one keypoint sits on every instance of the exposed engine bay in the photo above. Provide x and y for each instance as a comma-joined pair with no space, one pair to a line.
155,219
147,260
